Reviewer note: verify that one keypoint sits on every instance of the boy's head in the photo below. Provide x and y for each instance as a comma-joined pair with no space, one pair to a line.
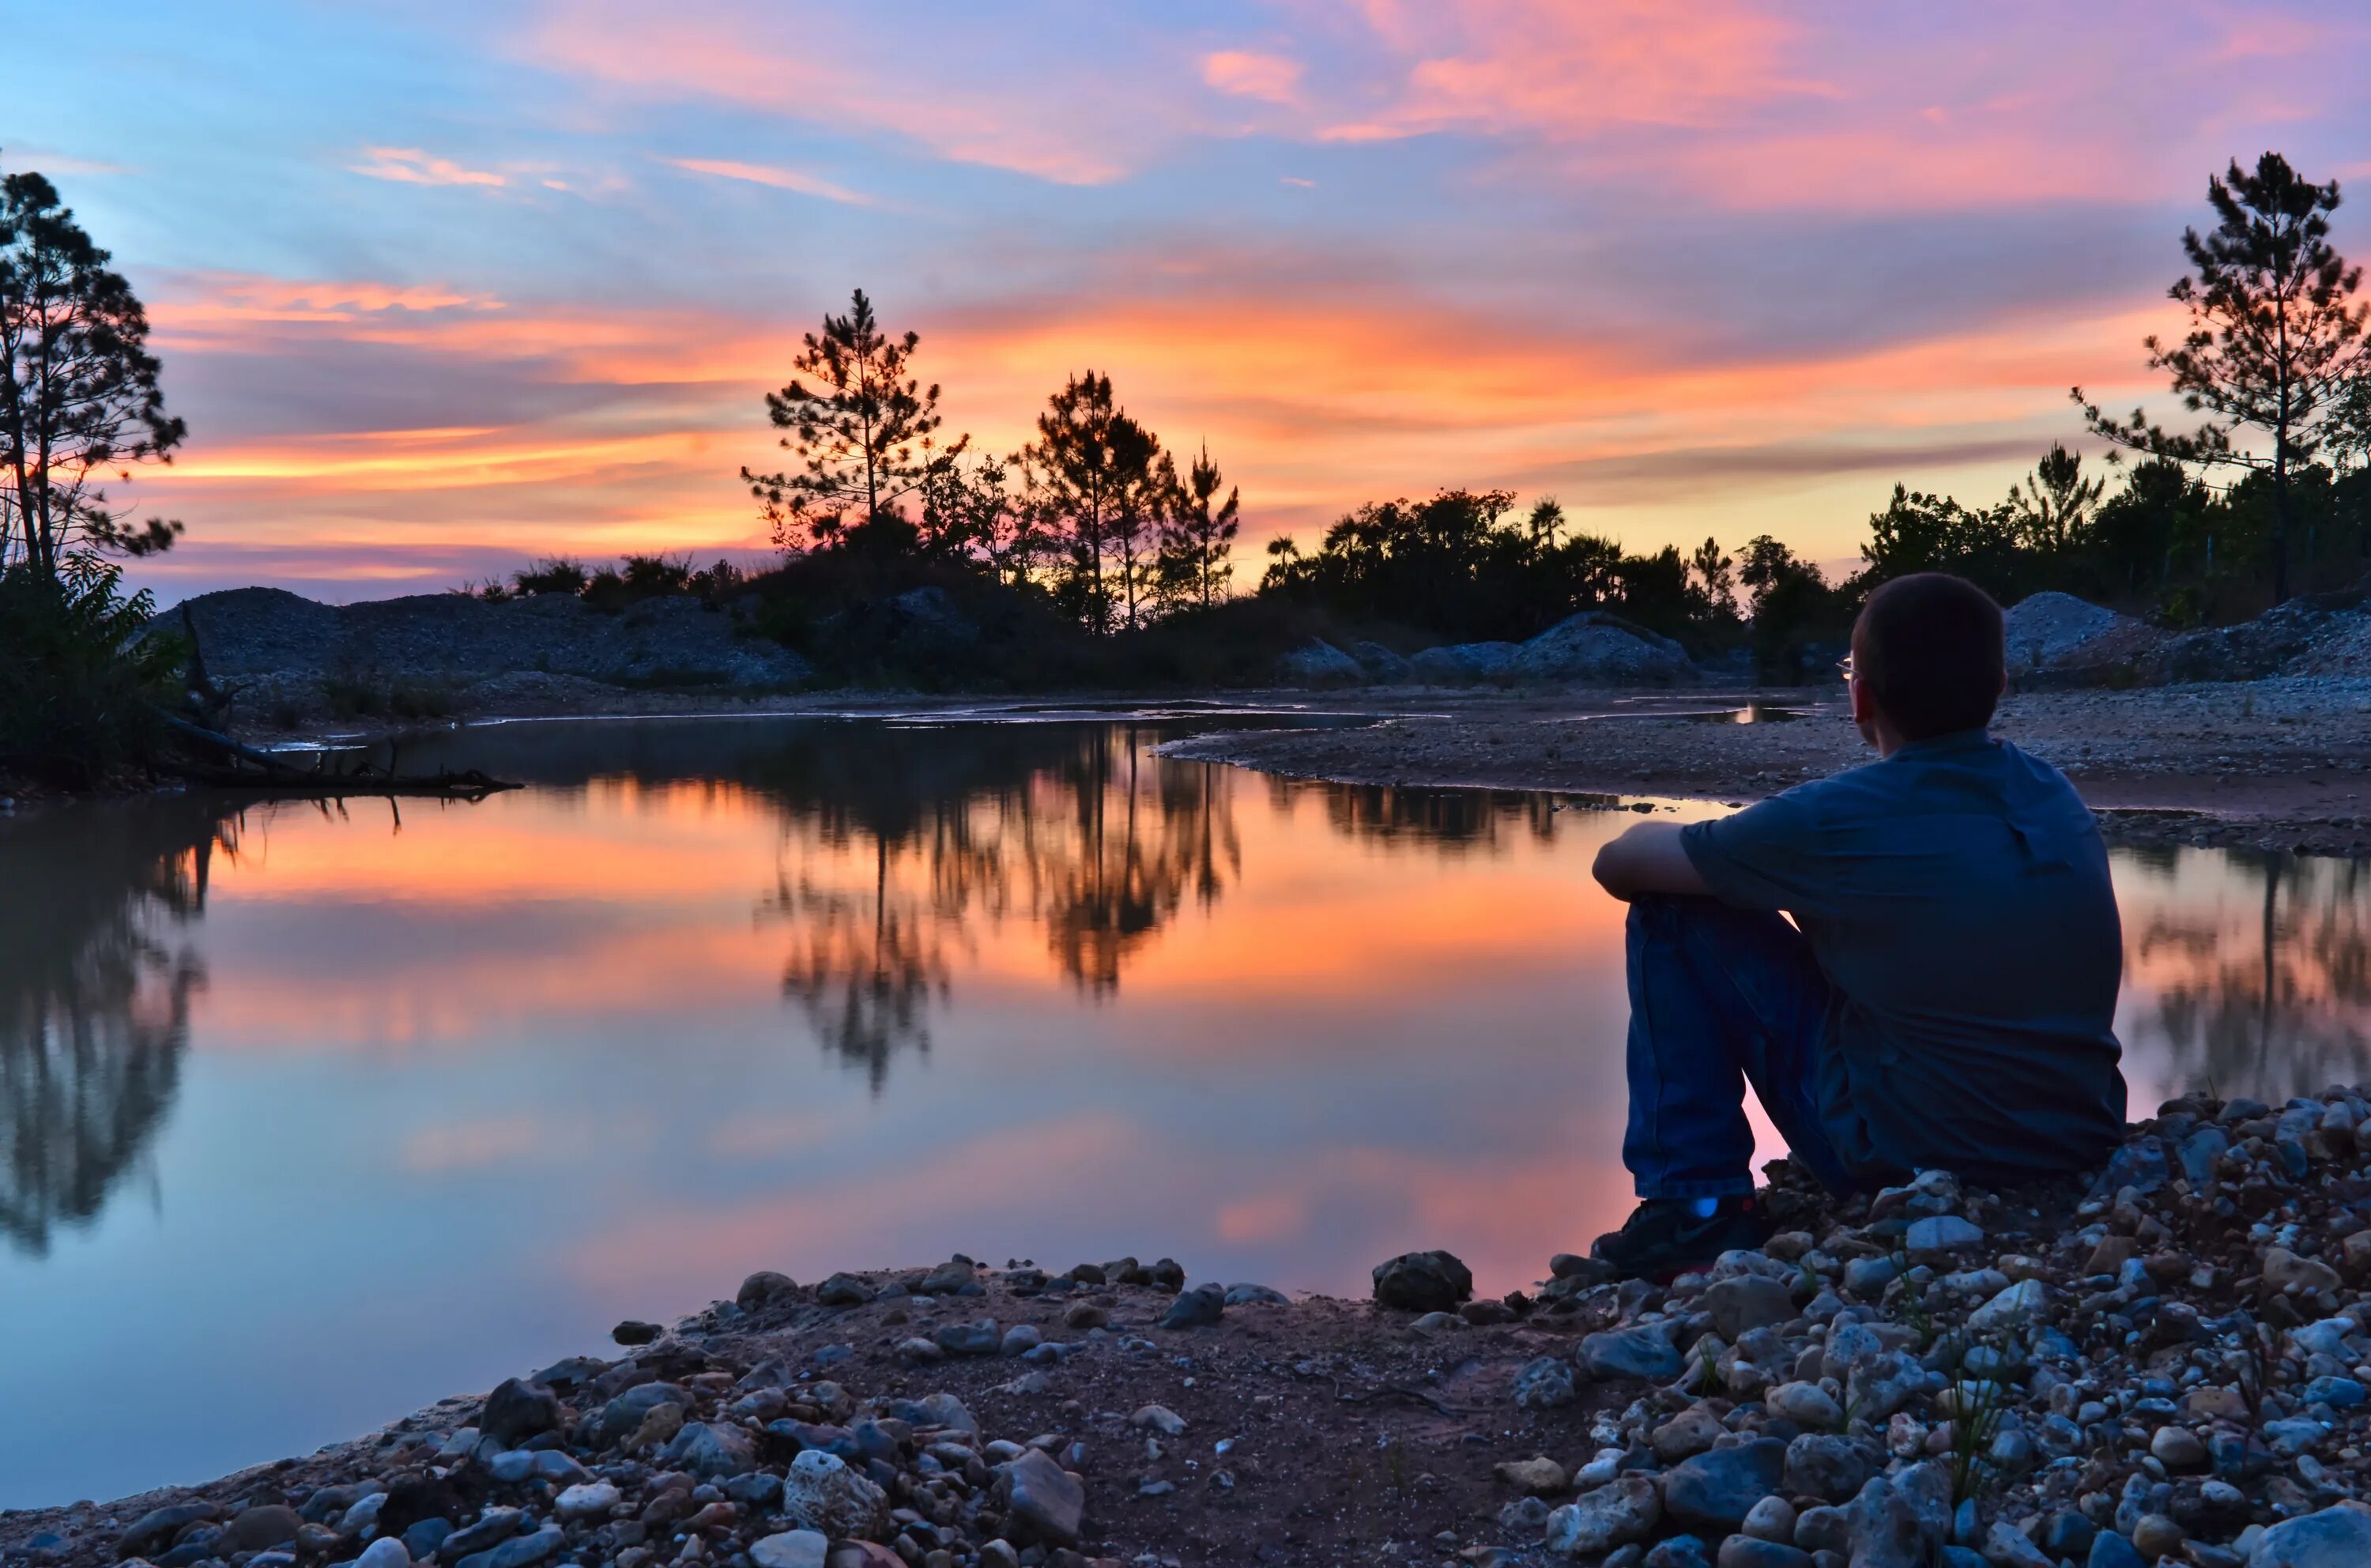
1926,655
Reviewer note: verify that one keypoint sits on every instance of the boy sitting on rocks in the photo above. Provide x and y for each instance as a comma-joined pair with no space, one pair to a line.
1946,994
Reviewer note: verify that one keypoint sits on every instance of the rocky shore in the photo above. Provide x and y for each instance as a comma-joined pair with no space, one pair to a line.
2167,1364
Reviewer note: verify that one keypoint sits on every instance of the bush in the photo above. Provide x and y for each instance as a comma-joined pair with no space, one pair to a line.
80,684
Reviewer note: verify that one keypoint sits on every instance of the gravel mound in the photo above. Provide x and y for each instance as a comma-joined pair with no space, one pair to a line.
2045,629
259,632
1602,650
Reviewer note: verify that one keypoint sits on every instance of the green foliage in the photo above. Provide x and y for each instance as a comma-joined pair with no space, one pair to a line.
1794,608
79,399
79,683
864,434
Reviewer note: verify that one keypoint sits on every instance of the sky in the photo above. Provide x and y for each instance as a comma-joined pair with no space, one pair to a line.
443,287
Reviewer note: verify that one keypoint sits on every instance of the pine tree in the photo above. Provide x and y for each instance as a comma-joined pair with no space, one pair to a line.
2276,338
2054,507
1197,537
1092,474
864,435
79,398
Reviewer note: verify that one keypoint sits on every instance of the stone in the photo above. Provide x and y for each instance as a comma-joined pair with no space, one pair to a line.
1899,1521
1042,1498
1546,1384
1748,1552
472,1540
633,1330
2339,1393
1085,1315
2068,1534
821,1491
387,1552
1159,1418
980,1337
1194,1309
520,1549
1744,1303
1256,1295
2020,1303
797,1549
2284,1270
1883,1385
1823,1465
1540,1475
949,1278
265,1525
586,1500
1772,1518
624,1416
2178,1448
517,1411
1805,1404
1021,1339
1691,1431
1680,1551
764,1288
155,1529
712,1452
1823,1529
1526,1519
1942,1233
2155,1536
843,1290
1721,1487
2110,1549
2337,1537
1423,1282
1868,1278
1644,1351
1626,1510
2006,1546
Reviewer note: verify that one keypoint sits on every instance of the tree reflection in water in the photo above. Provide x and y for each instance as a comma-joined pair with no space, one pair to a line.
2257,968
95,986
1074,829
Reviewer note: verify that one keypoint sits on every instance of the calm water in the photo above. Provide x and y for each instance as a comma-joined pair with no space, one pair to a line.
311,1117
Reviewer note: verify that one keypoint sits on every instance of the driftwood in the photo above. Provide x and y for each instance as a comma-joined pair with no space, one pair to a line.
243,768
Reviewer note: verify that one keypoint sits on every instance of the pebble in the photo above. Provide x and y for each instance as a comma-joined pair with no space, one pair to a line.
1423,1282
1626,1510
797,1549
1645,1352
1545,1383
586,1500
1541,1476
1159,1418
1043,1497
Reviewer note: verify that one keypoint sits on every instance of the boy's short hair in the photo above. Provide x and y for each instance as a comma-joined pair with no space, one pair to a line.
1928,647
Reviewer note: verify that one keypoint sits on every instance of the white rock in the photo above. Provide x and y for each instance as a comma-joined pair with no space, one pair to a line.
792,1549
587,1500
387,1552
2020,1302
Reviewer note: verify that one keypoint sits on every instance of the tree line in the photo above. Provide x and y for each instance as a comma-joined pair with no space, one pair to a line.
2272,485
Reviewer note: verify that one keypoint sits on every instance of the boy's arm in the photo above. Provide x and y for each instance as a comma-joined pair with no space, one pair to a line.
1648,859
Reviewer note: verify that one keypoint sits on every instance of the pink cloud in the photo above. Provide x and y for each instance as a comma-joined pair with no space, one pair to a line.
1249,74
780,178
698,50
411,166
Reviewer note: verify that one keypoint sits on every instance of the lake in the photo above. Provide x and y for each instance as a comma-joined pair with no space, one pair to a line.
313,1116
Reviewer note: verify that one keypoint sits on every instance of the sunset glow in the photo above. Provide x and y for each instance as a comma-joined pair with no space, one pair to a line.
440,288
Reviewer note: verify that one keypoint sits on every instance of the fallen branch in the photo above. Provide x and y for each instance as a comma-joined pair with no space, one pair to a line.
245,768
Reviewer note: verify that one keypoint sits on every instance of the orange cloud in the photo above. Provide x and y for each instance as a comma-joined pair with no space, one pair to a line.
411,166
1250,74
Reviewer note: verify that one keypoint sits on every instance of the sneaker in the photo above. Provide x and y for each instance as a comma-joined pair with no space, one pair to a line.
1664,1236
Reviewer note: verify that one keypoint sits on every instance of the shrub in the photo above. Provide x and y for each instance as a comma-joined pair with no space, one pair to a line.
80,679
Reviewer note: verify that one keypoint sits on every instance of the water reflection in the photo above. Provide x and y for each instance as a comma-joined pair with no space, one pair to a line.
2248,973
716,996
95,977
1075,832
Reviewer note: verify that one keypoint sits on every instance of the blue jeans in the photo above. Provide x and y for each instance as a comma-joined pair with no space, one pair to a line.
1720,997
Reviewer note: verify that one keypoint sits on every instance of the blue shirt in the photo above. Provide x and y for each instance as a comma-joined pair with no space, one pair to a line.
1956,893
